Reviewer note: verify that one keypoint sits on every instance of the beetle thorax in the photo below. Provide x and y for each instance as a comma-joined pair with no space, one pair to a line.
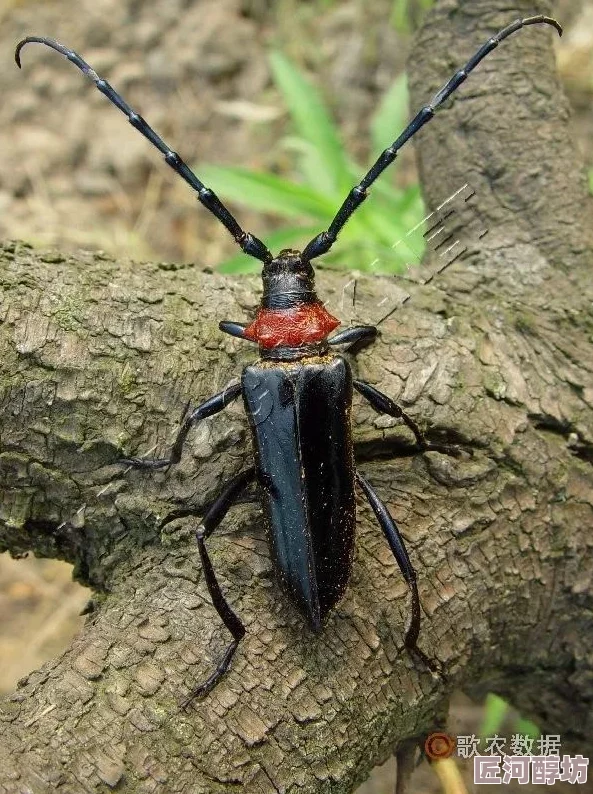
290,313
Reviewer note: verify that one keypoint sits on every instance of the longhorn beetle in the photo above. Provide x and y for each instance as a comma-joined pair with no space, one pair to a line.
297,397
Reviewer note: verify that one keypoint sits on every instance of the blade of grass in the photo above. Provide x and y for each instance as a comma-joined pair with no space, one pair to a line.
495,710
385,222
372,257
282,238
310,166
527,728
399,16
312,122
411,200
267,192
391,115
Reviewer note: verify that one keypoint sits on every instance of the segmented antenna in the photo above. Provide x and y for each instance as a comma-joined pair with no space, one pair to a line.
250,244
324,241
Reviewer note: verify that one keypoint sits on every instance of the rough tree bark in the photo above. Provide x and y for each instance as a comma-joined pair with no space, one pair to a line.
98,356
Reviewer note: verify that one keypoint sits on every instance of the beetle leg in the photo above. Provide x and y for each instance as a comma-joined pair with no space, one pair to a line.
207,408
234,329
356,338
385,405
396,544
211,519
216,510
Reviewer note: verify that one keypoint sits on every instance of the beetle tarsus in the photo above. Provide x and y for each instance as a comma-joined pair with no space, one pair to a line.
385,405
445,449
201,690
434,667
399,551
211,519
411,638
146,463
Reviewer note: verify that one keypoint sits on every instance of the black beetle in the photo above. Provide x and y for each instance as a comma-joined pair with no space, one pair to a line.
298,399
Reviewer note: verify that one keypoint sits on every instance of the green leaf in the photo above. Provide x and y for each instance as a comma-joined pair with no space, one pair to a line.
386,234
385,221
401,19
391,116
282,238
394,225
372,257
411,201
267,192
399,16
386,192
495,710
310,166
240,263
527,728
312,121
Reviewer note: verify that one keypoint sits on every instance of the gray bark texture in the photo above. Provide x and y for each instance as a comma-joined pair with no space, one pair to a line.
99,356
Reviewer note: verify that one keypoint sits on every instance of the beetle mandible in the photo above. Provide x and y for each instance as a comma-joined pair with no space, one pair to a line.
303,459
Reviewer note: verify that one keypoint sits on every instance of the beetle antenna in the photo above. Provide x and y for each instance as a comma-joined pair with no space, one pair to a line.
323,242
250,244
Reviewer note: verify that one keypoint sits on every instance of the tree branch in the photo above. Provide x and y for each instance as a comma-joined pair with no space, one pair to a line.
99,356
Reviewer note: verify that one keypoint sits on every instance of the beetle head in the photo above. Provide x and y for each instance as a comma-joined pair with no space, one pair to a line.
289,281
